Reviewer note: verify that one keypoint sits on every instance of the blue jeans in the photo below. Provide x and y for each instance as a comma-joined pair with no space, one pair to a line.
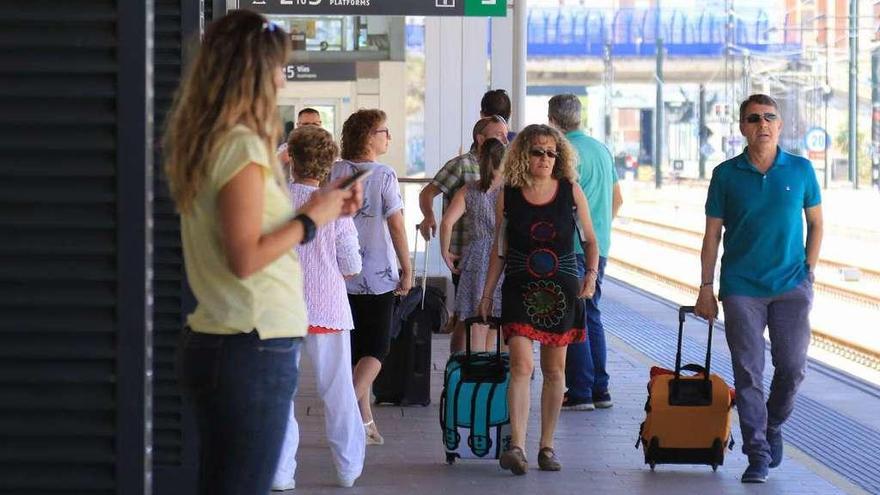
240,388
787,317
585,373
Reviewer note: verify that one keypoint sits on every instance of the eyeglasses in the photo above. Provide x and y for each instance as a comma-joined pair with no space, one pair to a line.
754,118
385,130
540,152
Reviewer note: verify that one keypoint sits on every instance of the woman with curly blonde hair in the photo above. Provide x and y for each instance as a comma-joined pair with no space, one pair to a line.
238,352
327,261
541,297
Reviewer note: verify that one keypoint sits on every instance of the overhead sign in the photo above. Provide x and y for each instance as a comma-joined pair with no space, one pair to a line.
321,72
468,8
816,139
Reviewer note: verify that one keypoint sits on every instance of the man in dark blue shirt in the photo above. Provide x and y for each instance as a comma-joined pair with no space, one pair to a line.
760,198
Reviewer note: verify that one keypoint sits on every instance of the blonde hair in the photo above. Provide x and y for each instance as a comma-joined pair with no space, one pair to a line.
312,152
516,161
230,82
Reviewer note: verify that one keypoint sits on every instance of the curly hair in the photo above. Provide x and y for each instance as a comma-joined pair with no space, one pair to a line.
357,130
229,82
516,161
312,152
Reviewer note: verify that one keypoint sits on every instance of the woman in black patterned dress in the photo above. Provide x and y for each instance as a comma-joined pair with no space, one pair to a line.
542,295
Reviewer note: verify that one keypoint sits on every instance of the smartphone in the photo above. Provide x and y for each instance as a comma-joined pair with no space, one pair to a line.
354,178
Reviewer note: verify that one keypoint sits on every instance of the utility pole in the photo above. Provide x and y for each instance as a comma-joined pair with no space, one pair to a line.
728,78
875,117
853,92
658,112
608,82
826,95
702,131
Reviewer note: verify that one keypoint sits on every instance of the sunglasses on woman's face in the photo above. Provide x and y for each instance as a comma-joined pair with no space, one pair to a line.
754,118
540,152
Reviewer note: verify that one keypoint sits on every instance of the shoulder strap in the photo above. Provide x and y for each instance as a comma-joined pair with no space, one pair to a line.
574,214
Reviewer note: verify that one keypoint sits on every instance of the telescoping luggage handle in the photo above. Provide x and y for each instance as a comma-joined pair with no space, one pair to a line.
424,267
682,314
496,372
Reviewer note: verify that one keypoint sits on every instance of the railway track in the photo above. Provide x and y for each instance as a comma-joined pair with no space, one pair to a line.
834,290
867,273
820,338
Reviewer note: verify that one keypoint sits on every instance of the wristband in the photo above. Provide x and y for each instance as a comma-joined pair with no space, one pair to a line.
309,228
707,284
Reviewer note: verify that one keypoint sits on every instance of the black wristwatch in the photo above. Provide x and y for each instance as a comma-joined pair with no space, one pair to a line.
309,228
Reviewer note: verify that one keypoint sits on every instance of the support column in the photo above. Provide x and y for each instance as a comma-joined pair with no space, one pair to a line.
501,67
518,93
455,80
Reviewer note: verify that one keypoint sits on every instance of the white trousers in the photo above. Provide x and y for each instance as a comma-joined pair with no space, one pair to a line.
330,355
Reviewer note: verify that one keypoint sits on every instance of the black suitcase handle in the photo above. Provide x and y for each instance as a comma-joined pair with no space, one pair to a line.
683,311
494,373
493,323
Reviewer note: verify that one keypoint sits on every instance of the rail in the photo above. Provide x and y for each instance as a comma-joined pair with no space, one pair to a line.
868,273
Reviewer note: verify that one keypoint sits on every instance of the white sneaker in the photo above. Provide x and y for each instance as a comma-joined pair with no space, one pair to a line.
345,481
284,487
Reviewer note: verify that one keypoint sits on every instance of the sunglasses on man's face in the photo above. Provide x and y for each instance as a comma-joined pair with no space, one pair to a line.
754,118
539,152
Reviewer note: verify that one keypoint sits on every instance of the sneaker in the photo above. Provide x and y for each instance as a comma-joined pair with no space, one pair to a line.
547,460
372,433
757,472
284,487
345,481
775,441
571,404
514,460
602,400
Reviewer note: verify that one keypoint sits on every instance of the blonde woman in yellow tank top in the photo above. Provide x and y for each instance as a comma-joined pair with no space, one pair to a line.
238,353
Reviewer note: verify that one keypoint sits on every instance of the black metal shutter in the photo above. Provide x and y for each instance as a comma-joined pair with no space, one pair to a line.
75,106
174,461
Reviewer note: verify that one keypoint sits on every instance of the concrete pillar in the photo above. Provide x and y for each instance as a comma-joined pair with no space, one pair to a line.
455,80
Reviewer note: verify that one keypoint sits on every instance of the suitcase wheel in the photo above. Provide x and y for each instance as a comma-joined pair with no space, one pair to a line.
651,451
450,458
718,451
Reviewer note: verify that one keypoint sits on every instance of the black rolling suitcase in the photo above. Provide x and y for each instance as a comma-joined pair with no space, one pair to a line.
405,378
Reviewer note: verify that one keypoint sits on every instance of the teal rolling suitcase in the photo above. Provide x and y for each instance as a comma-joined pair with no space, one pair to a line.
473,407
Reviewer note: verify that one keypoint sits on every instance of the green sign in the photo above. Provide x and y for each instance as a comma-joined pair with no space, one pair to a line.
485,8
469,8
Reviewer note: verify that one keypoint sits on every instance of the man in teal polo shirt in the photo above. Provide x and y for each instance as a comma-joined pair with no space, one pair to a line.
760,198
586,378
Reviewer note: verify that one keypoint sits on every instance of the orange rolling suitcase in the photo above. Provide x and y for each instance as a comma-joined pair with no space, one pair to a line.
687,417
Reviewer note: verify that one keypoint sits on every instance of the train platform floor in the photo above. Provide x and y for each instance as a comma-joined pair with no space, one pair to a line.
832,439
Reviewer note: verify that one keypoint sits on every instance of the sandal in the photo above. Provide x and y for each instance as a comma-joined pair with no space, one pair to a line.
547,460
372,433
514,460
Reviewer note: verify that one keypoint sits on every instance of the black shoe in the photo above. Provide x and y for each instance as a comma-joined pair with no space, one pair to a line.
514,460
757,472
602,400
547,460
569,403
776,447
